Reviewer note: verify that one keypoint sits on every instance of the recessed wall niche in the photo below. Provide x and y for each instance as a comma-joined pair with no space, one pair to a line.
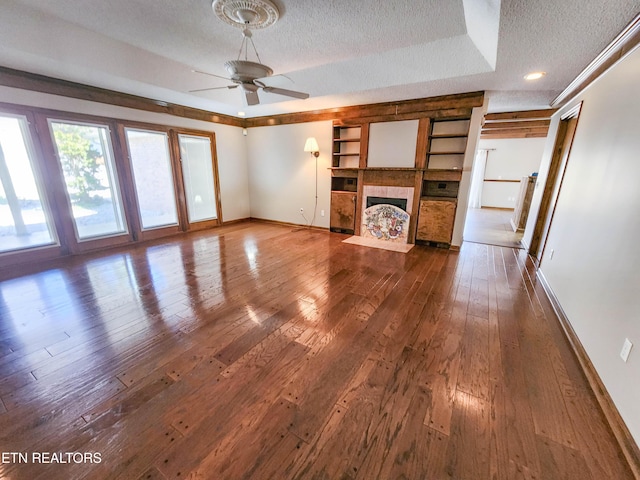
393,144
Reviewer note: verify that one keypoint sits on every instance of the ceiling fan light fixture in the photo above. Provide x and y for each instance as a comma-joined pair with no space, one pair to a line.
253,14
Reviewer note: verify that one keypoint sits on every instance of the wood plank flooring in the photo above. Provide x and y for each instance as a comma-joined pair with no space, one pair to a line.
257,351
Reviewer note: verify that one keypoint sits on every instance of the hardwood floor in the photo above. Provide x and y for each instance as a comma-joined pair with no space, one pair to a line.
257,351
491,226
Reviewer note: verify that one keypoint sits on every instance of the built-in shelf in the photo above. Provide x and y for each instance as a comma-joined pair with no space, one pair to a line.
449,135
447,144
346,146
435,183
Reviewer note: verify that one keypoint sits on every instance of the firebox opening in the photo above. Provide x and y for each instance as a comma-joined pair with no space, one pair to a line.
396,202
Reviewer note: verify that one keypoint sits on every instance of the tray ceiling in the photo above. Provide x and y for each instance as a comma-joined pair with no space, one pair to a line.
342,53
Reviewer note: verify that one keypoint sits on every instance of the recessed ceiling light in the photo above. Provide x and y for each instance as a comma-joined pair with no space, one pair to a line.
534,75
241,114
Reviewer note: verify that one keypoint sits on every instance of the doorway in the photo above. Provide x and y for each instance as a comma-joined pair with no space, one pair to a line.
553,184
504,175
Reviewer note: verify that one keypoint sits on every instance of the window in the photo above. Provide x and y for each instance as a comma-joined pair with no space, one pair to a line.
72,183
86,156
25,221
197,171
153,178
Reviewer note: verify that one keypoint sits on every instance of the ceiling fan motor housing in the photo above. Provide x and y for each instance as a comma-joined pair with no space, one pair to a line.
245,71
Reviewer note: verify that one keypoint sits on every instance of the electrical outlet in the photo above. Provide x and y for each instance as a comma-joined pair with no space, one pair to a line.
322,213
626,349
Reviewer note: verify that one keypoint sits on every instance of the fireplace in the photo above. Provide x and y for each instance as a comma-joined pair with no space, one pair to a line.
385,212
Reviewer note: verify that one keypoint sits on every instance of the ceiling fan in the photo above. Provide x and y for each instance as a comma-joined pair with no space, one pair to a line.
248,75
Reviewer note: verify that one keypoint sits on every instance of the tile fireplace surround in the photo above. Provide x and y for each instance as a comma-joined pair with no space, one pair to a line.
405,193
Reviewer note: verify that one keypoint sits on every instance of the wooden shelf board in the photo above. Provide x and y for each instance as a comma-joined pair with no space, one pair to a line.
449,135
440,199
346,154
342,140
445,153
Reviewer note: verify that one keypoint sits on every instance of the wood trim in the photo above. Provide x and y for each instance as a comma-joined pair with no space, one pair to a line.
288,224
523,115
524,124
493,124
549,185
516,131
512,134
446,106
54,86
621,432
360,193
13,260
566,128
623,44
413,219
363,161
500,180
424,127
237,220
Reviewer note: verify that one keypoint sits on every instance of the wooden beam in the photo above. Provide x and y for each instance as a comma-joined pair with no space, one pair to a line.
511,134
55,86
521,124
498,131
447,106
524,115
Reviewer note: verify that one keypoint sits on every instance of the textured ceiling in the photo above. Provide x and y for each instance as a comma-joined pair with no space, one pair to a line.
342,53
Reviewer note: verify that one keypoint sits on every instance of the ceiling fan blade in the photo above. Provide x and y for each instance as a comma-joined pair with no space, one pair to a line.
252,97
211,74
284,91
229,87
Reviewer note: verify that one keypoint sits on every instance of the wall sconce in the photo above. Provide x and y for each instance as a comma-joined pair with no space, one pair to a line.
311,146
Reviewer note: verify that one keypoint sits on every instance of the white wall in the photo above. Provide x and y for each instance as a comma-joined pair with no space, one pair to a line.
477,115
595,231
282,175
393,144
509,159
230,144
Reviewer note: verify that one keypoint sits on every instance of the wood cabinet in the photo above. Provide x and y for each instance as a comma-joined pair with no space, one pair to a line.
435,220
343,212
435,176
